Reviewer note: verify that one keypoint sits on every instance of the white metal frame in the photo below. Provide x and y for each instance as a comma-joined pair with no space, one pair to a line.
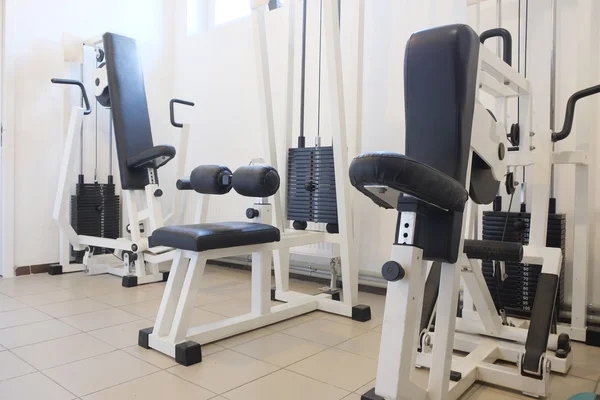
481,333
141,207
172,324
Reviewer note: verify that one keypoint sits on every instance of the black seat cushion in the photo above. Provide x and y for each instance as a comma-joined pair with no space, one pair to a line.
154,157
202,237
408,176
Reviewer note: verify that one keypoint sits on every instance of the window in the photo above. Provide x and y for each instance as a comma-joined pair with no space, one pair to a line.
203,15
229,10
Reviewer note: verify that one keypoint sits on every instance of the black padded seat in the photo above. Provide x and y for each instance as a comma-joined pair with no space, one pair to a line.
408,176
154,157
203,237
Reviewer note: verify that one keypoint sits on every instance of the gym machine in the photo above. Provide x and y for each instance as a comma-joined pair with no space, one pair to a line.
267,233
119,85
456,150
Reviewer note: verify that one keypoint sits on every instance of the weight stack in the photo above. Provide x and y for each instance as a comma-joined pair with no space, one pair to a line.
517,292
311,185
95,211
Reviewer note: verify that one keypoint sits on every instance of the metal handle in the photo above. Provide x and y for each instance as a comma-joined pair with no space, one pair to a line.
506,39
570,112
59,81
172,108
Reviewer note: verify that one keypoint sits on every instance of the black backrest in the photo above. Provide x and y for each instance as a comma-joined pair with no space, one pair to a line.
129,106
440,76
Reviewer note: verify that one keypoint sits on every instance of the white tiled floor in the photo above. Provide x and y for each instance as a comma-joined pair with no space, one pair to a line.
73,336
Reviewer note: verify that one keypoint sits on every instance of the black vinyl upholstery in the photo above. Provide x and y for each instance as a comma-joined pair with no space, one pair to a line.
203,237
256,181
154,157
133,134
408,176
211,179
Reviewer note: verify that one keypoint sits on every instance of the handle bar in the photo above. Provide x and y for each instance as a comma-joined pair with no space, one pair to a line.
570,112
88,108
172,109
506,39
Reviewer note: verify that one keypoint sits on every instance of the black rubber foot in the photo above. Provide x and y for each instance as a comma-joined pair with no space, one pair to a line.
273,295
361,313
370,395
455,376
143,337
592,336
188,353
335,294
165,276
55,270
129,281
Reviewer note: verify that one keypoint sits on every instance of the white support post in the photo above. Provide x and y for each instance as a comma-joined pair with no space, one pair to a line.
402,314
155,216
261,282
62,200
179,206
282,269
340,151
189,291
201,212
475,283
171,295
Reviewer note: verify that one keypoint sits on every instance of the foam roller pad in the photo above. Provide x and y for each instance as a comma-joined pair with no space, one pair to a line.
256,181
208,179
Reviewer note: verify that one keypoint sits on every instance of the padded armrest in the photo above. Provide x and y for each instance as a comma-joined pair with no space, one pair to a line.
154,157
408,176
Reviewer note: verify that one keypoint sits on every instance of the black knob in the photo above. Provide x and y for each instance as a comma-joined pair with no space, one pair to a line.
158,193
501,151
252,213
392,271
300,225
134,247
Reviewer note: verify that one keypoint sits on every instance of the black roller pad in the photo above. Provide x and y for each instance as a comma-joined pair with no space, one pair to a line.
188,353
361,313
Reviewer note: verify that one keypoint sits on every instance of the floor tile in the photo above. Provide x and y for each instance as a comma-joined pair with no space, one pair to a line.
33,386
294,386
352,396
12,366
244,338
229,308
62,351
366,345
2,348
100,372
34,333
23,316
365,388
159,386
205,297
339,368
100,319
72,307
124,335
324,332
3,296
154,357
57,296
9,304
200,316
374,322
94,285
563,387
487,393
586,361
145,309
22,287
223,371
280,349
131,296
288,323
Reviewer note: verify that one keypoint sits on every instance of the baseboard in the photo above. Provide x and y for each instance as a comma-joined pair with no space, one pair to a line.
32,269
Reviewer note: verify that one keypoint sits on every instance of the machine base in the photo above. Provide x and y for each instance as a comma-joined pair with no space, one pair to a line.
129,281
592,336
335,294
370,395
143,337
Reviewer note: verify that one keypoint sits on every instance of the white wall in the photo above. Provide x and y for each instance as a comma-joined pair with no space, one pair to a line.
39,119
